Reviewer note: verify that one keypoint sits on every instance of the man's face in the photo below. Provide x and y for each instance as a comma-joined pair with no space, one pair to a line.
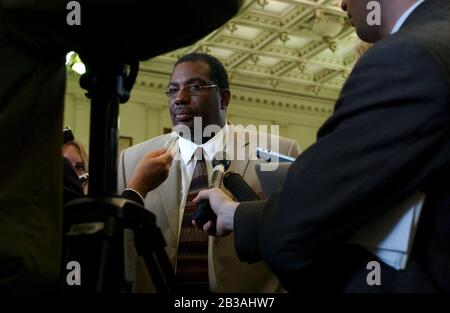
209,103
357,13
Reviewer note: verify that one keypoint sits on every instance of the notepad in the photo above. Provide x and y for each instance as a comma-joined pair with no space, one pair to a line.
391,235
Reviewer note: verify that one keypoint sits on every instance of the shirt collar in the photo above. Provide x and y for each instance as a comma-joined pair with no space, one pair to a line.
405,16
210,148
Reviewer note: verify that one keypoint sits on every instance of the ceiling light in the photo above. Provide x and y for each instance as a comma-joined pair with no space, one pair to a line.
74,63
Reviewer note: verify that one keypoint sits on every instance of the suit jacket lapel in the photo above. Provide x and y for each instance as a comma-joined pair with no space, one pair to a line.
169,193
239,166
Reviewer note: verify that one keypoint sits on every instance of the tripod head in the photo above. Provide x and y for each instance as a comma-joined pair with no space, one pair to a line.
107,86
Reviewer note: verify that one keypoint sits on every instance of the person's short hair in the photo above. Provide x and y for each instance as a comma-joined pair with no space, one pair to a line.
217,71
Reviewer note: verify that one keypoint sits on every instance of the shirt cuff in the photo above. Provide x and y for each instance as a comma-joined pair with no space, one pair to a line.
132,194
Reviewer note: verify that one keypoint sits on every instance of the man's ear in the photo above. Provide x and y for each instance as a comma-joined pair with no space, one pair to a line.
225,99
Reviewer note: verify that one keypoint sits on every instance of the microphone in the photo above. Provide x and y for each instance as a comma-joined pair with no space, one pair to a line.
203,212
272,156
83,177
239,187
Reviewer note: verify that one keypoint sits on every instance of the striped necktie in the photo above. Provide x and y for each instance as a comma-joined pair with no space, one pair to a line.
192,258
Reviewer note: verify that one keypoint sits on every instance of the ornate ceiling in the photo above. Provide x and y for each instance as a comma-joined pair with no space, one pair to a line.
293,47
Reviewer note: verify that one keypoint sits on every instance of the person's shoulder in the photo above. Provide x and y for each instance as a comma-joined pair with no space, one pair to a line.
148,145
423,36
263,135
399,51
257,130
430,39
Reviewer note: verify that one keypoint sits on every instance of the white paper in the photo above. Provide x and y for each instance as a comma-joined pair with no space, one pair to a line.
390,236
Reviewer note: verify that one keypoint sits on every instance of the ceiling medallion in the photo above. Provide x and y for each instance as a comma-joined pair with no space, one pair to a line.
263,3
284,37
331,44
316,90
274,83
205,49
232,27
302,66
254,58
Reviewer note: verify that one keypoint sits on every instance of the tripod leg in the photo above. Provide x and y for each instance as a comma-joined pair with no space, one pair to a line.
150,244
106,252
156,274
166,268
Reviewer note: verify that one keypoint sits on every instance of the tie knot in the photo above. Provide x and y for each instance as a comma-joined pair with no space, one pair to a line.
198,153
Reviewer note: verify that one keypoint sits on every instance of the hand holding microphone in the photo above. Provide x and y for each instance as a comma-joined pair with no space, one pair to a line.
223,206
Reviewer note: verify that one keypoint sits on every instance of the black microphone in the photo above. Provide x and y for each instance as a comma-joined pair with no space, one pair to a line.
239,187
203,212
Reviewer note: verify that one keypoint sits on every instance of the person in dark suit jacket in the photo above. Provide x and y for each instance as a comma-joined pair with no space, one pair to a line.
388,137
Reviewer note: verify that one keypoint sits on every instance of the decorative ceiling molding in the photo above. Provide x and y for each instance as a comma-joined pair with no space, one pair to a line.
315,108
276,55
298,47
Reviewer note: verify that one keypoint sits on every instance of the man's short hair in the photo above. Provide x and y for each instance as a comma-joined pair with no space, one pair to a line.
217,71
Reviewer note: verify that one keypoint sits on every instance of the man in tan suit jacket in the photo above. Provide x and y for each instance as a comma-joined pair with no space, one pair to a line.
226,272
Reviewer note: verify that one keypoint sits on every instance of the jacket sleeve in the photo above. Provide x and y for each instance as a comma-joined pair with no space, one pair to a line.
246,223
386,137
133,195
121,177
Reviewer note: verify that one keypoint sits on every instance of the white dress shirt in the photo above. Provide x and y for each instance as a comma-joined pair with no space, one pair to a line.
405,16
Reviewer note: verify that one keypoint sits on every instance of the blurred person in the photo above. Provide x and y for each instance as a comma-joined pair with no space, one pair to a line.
76,153
32,88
